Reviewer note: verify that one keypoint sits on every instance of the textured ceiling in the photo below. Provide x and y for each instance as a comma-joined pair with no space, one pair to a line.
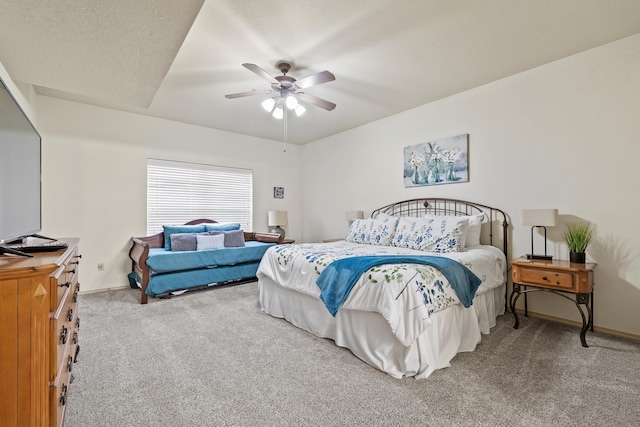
387,55
100,51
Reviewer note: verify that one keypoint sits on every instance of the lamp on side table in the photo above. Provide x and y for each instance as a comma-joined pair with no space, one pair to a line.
276,220
539,218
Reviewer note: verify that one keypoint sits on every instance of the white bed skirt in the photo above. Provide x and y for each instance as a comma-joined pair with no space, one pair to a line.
369,337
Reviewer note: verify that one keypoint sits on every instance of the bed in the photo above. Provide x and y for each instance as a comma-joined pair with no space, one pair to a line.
434,281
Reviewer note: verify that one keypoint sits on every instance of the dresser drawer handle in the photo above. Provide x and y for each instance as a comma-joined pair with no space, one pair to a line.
75,357
544,278
64,334
62,285
72,271
78,287
63,395
78,323
69,364
75,296
70,314
75,337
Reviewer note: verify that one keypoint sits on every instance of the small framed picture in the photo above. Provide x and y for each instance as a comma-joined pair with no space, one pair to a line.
278,192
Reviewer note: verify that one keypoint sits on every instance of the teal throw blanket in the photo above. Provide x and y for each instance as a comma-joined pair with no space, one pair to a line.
339,277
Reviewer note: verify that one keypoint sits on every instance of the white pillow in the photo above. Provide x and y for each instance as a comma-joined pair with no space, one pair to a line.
372,231
383,215
443,234
205,242
474,229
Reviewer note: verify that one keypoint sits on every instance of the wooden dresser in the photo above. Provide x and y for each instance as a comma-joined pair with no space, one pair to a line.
39,334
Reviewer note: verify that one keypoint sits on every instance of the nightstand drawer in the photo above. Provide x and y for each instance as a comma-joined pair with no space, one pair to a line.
546,278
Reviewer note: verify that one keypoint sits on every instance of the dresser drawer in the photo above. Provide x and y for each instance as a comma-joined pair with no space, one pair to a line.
59,398
546,278
65,319
67,278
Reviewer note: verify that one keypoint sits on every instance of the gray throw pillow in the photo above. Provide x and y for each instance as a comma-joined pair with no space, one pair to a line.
232,239
183,242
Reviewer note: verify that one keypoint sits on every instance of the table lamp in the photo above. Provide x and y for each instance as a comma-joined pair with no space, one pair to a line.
277,219
539,218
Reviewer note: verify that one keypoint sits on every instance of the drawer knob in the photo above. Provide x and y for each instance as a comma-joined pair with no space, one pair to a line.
72,271
62,285
64,334
544,278
75,357
70,314
69,364
75,296
75,337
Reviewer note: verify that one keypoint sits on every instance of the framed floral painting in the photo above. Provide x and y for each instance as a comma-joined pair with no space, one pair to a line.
443,161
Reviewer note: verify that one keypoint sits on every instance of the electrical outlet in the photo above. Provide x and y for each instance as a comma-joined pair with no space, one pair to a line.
100,266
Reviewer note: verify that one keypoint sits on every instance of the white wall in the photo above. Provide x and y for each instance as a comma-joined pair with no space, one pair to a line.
564,135
94,177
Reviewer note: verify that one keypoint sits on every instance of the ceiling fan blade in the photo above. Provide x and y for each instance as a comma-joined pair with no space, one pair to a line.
316,101
250,93
259,71
315,79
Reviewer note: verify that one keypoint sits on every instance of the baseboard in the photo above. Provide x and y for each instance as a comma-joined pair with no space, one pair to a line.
94,291
578,324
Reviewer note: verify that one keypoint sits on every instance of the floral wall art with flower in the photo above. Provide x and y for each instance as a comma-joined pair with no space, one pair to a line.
443,161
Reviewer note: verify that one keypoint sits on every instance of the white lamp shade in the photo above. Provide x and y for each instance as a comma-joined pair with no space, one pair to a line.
353,215
277,218
268,104
291,102
541,217
278,113
300,110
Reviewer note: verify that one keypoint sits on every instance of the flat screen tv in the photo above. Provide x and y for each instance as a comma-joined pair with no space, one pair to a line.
20,161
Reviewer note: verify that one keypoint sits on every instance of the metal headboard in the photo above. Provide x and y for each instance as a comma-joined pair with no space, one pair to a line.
497,219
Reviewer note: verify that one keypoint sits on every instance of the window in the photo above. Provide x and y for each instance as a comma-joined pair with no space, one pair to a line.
180,192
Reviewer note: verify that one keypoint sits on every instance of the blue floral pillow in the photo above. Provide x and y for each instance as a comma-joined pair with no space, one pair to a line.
431,235
372,231
474,227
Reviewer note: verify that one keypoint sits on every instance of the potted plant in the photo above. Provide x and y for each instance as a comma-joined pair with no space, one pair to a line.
578,235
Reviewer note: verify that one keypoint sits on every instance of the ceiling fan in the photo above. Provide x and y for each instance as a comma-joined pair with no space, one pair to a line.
286,91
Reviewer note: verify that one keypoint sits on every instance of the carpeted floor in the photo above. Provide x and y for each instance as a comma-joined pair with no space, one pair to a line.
213,358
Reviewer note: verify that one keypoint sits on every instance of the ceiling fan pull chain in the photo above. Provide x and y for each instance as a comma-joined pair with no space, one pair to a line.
284,140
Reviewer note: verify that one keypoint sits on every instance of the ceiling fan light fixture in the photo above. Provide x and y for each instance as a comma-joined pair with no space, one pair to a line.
268,104
300,110
278,113
291,102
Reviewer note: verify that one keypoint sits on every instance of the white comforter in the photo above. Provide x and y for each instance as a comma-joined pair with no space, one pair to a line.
404,294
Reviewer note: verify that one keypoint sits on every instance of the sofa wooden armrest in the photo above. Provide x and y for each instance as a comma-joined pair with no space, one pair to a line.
139,253
263,237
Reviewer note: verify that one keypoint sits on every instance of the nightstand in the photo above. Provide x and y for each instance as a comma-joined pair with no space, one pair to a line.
562,278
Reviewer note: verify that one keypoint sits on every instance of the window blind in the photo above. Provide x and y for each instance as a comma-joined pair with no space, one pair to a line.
179,192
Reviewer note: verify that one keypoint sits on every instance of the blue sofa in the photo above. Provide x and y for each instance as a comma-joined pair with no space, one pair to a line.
160,270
